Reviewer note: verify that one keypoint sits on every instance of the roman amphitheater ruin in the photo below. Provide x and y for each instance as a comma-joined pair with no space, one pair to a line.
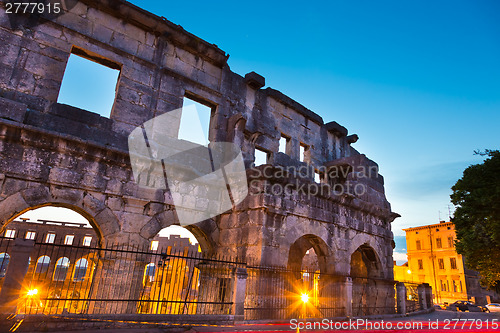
56,154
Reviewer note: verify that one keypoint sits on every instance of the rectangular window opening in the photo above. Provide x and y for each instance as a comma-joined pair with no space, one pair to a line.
438,243
68,240
10,233
30,235
317,176
89,82
87,240
450,241
420,264
195,121
154,245
284,141
453,263
441,263
419,247
303,150
260,157
50,238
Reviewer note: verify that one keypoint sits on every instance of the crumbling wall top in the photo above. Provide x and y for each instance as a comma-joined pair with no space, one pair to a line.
160,26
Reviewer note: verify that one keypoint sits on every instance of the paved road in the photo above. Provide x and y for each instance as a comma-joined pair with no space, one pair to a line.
437,321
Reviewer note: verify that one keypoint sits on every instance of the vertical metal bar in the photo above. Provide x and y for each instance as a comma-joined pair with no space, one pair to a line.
108,256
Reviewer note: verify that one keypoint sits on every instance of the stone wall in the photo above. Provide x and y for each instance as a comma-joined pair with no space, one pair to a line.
58,154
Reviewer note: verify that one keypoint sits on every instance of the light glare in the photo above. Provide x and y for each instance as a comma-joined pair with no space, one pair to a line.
32,292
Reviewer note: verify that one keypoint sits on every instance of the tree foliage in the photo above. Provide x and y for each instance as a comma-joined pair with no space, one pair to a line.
477,217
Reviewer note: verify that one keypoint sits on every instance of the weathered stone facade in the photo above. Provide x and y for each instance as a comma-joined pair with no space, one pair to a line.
57,154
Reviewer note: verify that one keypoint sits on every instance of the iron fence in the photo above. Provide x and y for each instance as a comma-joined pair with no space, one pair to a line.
277,293
123,279
412,298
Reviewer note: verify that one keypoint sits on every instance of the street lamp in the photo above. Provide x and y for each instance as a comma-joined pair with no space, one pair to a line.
409,272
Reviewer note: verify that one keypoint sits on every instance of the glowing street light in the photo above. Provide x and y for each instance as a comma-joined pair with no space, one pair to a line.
409,272
304,297
32,292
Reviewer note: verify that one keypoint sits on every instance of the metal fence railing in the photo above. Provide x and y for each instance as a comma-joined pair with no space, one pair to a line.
123,279
277,293
412,298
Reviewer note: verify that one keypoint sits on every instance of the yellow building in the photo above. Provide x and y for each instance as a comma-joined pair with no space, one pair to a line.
403,273
433,259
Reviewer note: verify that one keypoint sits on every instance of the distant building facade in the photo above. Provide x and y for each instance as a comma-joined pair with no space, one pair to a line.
65,257
174,244
403,273
433,259
57,232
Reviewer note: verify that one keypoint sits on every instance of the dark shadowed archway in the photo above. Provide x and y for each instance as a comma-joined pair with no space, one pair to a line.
365,270
298,250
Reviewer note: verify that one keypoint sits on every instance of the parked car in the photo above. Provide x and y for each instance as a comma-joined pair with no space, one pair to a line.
493,307
440,306
484,308
467,306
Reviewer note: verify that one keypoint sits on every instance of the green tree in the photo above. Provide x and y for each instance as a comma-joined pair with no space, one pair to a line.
477,217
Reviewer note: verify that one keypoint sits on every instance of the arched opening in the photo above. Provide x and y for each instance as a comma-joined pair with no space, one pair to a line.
67,244
42,265
61,270
171,278
80,270
4,263
365,273
149,274
309,252
310,280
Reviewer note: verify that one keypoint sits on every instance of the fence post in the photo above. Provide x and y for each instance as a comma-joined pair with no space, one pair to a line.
401,297
18,266
422,296
348,296
428,295
239,288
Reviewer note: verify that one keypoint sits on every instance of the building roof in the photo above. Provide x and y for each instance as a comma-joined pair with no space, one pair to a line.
442,224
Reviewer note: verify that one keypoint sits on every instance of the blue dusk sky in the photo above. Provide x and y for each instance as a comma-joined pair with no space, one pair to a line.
418,81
